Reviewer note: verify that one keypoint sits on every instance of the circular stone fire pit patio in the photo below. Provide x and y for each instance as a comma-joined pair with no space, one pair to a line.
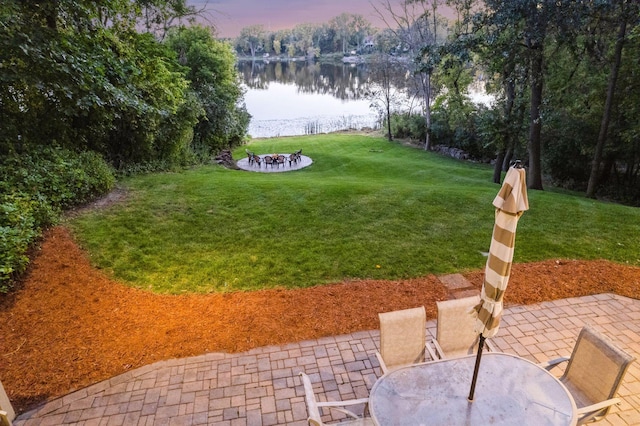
303,162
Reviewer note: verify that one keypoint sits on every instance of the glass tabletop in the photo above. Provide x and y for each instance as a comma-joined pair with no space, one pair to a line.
509,391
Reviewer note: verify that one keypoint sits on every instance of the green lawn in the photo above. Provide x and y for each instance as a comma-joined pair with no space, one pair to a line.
365,208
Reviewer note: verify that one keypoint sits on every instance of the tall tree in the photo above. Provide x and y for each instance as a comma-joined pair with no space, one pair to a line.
211,70
252,38
306,38
387,92
158,16
415,23
340,24
623,12
534,20
360,28
507,75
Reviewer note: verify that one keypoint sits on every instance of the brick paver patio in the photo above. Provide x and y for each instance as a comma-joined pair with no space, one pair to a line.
262,387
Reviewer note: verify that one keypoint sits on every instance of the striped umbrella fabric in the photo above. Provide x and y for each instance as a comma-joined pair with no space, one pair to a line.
510,203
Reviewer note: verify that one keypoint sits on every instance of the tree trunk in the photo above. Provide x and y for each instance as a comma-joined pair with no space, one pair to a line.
594,177
426,81
507,137
497,167
508,156
389,135
535,128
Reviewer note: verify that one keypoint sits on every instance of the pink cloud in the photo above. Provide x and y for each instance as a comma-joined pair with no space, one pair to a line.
230,16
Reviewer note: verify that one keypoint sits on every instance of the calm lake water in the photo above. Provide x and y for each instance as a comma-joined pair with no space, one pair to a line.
300,98
297,98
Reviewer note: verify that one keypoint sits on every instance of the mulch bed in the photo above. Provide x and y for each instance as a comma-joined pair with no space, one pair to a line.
68,325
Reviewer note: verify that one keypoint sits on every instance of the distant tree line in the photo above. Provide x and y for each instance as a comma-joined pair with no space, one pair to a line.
342,34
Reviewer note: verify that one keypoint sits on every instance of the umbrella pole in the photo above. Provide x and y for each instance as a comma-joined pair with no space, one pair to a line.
476,368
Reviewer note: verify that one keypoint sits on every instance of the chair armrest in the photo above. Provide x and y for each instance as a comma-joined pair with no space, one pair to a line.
589,412
347,412
337,405
599,406
383,366
343,403
548,365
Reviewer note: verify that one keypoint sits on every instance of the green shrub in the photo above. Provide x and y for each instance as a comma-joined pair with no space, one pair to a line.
19,217
407,126
94,177
35,188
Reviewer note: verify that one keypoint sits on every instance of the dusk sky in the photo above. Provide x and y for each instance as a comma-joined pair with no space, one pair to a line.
230,16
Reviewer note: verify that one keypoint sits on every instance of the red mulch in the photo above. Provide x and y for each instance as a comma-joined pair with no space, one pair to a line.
68,325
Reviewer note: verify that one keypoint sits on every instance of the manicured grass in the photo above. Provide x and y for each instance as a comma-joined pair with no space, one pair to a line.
365,208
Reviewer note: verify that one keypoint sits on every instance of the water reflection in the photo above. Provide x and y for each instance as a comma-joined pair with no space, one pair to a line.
297,98
345,82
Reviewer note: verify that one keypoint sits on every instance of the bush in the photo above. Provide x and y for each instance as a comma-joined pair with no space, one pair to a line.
462,129
19,219
407,126
35,188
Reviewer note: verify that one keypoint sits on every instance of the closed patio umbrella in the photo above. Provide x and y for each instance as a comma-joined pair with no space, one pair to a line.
510,203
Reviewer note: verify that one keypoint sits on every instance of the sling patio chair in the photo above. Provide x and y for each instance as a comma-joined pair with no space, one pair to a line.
7,413
314,406
593,374
402,338
4,419
455,334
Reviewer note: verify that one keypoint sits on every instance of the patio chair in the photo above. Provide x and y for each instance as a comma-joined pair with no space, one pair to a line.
295,157
280,159
7,413
314,406
455,334
4,419
402,338
251,156
267,159
593,374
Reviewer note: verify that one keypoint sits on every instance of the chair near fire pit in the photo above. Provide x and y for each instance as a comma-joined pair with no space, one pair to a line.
250,156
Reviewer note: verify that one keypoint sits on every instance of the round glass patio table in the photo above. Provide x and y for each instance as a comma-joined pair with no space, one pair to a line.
509,391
